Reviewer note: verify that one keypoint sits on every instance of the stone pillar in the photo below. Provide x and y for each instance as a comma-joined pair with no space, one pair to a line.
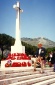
17,48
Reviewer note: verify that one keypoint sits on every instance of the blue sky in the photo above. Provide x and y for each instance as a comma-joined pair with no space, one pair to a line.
37,19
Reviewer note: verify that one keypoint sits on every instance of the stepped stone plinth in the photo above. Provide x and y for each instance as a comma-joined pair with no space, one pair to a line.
27,77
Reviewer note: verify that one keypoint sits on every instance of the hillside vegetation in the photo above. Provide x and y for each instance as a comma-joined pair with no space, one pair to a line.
7,41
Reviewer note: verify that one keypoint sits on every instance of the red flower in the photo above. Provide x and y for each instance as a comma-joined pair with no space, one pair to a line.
7,65
13,58
24,64
16,64
19,58
14,54
29,64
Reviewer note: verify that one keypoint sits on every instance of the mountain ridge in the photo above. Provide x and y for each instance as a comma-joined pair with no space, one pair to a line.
34,41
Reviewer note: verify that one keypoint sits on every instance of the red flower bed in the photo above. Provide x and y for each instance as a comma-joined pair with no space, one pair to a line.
18,56
16,64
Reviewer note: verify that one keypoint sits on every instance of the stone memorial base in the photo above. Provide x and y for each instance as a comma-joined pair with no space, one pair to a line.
20,60
16,63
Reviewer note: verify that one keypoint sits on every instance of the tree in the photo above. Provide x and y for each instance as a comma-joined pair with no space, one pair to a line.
5,42
29,49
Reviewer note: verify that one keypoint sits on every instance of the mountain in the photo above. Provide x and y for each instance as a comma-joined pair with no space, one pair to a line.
34,41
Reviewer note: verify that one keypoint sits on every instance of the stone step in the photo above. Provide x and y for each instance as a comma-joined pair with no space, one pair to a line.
11,73
6,76
46,82
16,70
17,74
24,70
52,84
24,77
33,80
